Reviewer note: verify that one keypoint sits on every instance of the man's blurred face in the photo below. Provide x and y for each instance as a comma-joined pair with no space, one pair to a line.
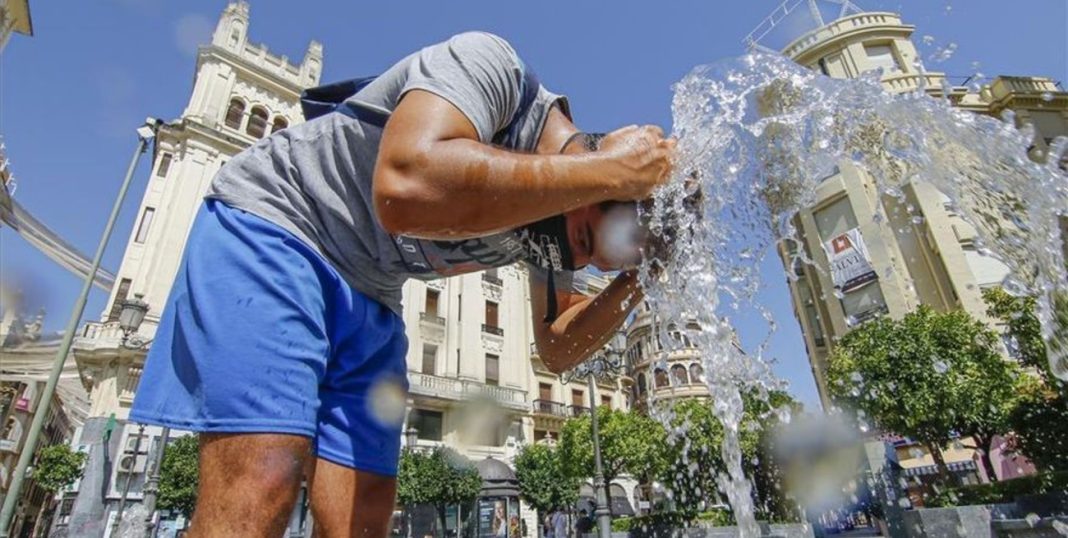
605,235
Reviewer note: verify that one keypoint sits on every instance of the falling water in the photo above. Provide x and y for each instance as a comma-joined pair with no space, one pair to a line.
756,135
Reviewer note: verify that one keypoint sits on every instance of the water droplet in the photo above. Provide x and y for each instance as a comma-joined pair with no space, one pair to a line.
1032,519
940,366
1047,96
917,219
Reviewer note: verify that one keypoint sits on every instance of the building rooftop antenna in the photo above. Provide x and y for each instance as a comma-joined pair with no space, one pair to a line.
794,18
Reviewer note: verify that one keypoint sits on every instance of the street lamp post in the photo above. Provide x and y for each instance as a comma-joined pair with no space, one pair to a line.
604,365
145,134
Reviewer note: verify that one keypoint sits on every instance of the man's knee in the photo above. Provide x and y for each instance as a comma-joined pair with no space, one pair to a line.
262,465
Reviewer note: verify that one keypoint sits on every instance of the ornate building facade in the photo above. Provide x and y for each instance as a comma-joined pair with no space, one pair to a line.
241,93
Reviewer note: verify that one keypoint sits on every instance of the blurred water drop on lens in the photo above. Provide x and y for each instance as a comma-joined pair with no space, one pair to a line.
386,400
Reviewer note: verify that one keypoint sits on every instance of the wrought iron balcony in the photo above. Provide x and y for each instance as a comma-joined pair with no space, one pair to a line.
492,329
549,407
431,318
496,281
577,410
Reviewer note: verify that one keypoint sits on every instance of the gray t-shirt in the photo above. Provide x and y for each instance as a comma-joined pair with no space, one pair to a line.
314,179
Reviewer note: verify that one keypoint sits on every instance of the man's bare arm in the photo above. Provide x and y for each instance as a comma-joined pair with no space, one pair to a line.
585,324
433,178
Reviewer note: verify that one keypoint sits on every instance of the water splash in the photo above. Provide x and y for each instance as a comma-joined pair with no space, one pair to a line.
756,136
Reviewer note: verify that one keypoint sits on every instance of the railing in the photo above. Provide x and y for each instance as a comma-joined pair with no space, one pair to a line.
431,318
905,83
549,407
1003,85
837,28
492,329
577,410
488,278
7,445
461,389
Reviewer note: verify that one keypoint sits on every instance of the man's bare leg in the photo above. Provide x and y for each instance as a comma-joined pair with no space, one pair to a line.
349,503
248,484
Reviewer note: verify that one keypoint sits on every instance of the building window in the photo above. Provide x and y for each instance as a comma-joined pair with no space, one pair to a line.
164,165
146,223
430,356
661,378
491,314
678,375
545,391
540,435
823,67
429,424
493,365
576,398
606,400
257,122
120,295
235,113
279,124
882,56
697,373
431,306
642,385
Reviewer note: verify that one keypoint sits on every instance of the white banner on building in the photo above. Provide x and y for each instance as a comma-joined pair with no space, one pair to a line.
850,263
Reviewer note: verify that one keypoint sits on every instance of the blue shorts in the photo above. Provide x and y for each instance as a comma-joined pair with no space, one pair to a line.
260,334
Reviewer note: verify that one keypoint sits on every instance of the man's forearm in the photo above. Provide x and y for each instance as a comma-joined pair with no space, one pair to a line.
584,328
456,189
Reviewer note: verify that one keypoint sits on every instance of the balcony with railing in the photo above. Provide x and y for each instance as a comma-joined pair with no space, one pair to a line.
577,410
464,389
492,329
551,408
8,445
840,28
492,279
431,318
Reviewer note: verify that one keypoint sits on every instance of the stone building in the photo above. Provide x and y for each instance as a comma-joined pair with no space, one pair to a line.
241,93
14,19
925,257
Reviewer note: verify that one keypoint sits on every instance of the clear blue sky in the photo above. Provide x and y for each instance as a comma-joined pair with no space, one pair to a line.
71,95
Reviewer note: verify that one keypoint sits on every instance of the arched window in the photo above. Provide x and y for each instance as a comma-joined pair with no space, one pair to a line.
678,375
235,113
257,122
641,384
279,124
661,378
697,373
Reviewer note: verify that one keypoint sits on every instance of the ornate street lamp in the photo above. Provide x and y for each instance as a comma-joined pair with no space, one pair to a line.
145,135
605,365
130,318
411,437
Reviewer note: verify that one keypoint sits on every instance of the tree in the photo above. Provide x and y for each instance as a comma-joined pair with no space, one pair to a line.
630,443
696,458
927,376
542,480
179,476
58,466
1040,420
440,478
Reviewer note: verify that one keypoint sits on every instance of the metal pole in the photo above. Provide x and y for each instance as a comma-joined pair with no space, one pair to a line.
28,448
152,486
126,485
604,515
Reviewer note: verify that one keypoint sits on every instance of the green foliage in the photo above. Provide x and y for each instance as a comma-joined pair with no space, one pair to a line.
926,376
694,456
542,480
1040,420
630,443
663,523
58,466
438,477
1005,491
179,475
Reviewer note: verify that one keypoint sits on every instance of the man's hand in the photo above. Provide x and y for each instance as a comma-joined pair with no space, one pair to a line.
641,157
